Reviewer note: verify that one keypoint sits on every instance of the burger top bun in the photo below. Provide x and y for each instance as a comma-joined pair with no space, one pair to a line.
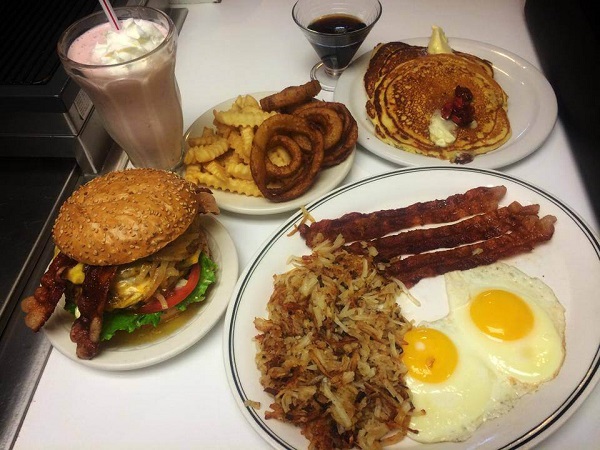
127,215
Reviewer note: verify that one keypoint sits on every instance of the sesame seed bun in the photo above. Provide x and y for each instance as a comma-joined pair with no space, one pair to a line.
126,215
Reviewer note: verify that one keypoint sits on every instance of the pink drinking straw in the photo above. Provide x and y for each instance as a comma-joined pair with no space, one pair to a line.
110,14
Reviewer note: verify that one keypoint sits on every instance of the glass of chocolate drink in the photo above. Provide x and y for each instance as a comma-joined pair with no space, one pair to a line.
335,29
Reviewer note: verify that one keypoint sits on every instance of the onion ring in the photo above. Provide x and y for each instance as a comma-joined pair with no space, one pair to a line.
339,152
326,120
292,147
292,187
290,96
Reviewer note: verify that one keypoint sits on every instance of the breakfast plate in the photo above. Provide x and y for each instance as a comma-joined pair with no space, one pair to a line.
532,106
327,179
160,345
569,264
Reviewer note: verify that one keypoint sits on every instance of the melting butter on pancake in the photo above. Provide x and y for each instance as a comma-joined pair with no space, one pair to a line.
407,86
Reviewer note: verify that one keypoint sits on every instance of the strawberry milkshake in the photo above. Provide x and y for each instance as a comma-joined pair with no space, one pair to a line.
130,77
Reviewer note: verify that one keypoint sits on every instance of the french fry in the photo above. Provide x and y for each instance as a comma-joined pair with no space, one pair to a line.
246,101
205,153
247,134
195,175
279,156
238,169
219,158
208,137
216,169
244,118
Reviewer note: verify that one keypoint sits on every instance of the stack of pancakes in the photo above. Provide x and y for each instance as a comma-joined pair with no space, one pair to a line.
405,86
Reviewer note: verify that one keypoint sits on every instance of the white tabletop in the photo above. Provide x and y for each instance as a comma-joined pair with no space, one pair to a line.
245,46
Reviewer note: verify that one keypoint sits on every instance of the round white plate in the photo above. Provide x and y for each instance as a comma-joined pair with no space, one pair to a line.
327,179
223,253
532,107
569,263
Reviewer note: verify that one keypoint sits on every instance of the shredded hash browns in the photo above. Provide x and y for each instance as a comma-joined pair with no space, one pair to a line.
329,352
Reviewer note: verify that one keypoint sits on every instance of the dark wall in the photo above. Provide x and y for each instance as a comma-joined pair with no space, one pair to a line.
567,43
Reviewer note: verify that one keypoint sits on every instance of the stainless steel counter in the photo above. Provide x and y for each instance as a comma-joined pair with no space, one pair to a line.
32,190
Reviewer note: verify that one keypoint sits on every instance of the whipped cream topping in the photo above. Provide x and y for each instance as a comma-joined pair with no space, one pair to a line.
135,38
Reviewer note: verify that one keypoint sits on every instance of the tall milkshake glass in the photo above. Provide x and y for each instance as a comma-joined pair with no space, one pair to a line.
138,100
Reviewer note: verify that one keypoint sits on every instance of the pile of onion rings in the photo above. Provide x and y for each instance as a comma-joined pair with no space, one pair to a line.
315,134
283,183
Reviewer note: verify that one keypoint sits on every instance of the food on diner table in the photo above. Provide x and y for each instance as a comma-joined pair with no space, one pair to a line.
329,351
490,234
291,96
503,337
305,164
276,150
435,101
336,340
522,238
357,226
475,228
131,251
220,157
340,139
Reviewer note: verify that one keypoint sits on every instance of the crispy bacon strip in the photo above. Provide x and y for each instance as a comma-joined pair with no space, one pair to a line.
91,301
476,228
40,306
363,226
414,268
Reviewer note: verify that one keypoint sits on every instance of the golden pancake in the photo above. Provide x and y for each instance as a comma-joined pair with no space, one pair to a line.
391,54
406,86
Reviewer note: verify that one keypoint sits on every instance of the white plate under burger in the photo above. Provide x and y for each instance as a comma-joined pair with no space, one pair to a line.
327,179
143,354
569,263
532,106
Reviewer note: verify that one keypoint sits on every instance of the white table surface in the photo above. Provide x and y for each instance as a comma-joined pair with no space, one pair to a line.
245,46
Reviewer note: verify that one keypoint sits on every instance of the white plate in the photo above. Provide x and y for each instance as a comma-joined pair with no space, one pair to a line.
327,180
532,107
569,264
129,357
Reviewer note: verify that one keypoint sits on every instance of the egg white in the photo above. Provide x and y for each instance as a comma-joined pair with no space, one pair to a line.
491,375
456,407
532,359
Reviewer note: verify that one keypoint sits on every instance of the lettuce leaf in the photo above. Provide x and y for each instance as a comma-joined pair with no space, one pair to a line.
120,320
208,275
124,320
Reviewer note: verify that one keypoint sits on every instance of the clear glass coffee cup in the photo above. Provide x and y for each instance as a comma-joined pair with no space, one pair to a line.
138,100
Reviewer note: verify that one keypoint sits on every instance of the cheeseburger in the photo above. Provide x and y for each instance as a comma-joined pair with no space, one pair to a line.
130,252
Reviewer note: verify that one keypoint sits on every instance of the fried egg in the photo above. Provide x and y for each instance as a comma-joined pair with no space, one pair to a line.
512,320
502,338
452,389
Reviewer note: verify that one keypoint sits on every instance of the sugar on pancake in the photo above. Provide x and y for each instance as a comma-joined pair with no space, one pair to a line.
407,88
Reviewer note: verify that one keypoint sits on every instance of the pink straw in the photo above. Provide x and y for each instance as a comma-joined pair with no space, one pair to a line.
110,14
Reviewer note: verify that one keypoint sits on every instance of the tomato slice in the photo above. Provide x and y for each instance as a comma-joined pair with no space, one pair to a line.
174,297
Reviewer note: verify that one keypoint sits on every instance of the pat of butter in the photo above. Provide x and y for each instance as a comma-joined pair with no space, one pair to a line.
442,132
438,42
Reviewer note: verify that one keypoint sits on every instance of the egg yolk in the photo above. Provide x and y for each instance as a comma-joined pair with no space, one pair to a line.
429,355
501,315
